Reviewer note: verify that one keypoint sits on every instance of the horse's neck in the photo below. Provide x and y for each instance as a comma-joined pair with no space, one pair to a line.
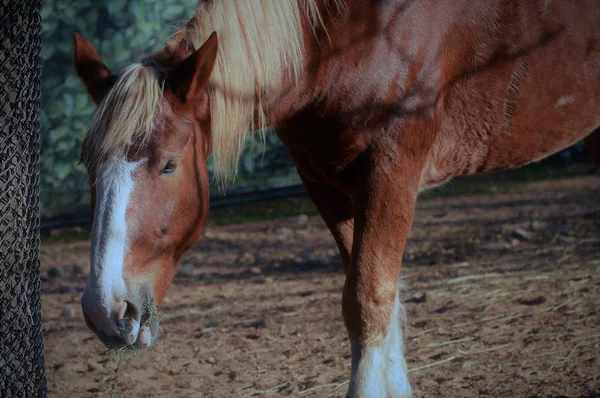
348,62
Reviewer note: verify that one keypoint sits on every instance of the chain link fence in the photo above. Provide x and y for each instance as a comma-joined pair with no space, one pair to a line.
21,345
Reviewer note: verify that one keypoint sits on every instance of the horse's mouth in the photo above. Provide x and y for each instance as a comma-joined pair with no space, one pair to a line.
149,323
131,336
147,335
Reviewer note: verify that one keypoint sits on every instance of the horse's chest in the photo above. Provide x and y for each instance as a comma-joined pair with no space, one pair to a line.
321,151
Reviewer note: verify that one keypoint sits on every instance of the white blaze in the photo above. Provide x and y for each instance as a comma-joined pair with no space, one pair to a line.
109,243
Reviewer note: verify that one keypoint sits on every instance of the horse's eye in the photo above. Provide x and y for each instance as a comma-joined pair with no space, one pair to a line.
169,167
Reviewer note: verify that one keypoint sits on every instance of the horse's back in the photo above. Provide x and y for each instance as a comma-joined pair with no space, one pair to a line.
533,87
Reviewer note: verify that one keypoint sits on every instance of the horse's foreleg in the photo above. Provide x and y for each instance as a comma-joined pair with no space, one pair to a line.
336,210
384,206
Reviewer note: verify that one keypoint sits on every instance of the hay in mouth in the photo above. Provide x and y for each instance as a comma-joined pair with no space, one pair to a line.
150,313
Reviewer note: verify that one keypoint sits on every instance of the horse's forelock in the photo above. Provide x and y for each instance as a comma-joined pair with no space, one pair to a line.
128,114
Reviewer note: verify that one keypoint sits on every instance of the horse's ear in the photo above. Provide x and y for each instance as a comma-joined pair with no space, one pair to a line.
189,79
91,69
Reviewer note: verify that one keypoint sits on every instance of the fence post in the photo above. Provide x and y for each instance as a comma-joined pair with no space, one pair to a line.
21,346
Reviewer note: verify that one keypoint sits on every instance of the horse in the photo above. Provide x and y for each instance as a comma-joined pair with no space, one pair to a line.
375,101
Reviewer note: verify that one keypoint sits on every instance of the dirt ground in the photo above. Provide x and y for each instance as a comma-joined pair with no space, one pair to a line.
502,296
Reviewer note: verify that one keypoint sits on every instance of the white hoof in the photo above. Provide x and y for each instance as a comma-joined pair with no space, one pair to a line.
379,369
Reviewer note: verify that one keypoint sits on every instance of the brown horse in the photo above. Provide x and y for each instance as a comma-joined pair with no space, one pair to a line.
375,100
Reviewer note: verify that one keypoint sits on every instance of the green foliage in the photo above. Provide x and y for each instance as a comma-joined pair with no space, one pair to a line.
264,163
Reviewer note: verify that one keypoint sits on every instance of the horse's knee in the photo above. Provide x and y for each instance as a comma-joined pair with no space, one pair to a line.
367,309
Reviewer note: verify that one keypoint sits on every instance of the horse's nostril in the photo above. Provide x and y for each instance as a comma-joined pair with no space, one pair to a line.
129,317
131,311
125,310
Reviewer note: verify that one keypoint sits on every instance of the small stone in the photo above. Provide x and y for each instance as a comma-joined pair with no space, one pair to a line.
185,270
94,366
67,289
536,225
55,272
68,312
302,219
78,269
283,233
566,239
211,360
521,234
515,242
247,258
406,257
268,279
255,270
419,297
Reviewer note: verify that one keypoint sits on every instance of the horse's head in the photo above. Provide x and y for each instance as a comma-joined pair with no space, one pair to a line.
145,154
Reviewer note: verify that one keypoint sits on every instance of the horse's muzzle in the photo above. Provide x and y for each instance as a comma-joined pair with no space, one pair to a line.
126,324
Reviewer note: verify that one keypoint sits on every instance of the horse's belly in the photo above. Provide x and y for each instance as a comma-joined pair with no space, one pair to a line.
518,114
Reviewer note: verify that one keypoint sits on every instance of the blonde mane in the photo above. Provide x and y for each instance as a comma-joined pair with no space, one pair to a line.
260,44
